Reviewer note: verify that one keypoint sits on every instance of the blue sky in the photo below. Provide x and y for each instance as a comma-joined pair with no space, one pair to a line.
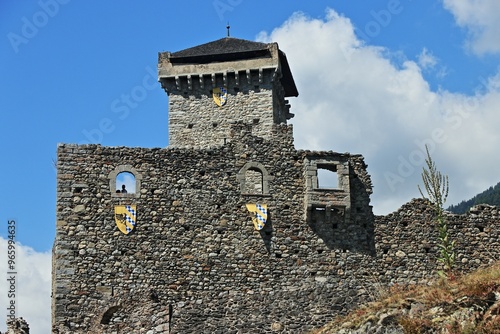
376,77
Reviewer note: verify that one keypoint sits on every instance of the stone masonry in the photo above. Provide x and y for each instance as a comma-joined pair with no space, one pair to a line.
17,326
194,263
195,246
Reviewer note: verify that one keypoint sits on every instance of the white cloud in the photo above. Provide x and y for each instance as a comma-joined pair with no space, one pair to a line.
426,59
480,18
354,99
32,290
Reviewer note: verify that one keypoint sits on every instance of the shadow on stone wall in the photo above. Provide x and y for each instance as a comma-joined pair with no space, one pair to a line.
337,232
267,233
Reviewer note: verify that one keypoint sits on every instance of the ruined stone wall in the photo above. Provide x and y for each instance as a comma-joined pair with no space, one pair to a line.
17,326
407,243
195,264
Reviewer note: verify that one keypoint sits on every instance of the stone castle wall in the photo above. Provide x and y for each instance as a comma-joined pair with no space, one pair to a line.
407,243
195,263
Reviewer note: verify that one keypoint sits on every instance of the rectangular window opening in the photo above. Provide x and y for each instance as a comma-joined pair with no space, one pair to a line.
328,177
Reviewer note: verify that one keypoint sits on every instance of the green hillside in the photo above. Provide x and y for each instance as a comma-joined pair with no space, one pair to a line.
490,196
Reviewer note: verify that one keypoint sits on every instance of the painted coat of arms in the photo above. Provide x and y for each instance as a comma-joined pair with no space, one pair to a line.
220,96
125,218
259,215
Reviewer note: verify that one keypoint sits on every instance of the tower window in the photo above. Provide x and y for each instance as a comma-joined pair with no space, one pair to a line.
253,181
328,178
125,183
125,180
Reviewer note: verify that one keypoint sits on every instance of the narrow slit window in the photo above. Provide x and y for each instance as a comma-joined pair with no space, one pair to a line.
125,183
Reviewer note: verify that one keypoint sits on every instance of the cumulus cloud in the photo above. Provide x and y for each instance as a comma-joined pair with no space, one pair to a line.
355,98
33,287
480,18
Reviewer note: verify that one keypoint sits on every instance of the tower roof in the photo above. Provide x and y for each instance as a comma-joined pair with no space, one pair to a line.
234,49
224,47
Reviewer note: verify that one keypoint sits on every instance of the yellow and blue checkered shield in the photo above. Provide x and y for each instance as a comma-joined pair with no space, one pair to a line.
125,218
220,96
259,215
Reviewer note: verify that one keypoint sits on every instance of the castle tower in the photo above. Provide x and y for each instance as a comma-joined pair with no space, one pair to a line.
229,80
229,220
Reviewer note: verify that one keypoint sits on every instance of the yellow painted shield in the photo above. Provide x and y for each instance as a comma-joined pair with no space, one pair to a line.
125,217
220,96
259,215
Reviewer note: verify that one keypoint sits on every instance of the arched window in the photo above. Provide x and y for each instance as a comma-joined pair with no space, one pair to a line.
254,179
108,315
125,181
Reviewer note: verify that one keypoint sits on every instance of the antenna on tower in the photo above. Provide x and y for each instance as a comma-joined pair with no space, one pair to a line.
228,27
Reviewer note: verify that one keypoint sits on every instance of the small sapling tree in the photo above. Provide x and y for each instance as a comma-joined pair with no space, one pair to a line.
436,186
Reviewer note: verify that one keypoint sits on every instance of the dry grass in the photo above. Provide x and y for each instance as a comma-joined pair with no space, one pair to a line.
479,289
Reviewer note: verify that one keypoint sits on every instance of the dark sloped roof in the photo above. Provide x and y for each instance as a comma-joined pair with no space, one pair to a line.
221,46
224,49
